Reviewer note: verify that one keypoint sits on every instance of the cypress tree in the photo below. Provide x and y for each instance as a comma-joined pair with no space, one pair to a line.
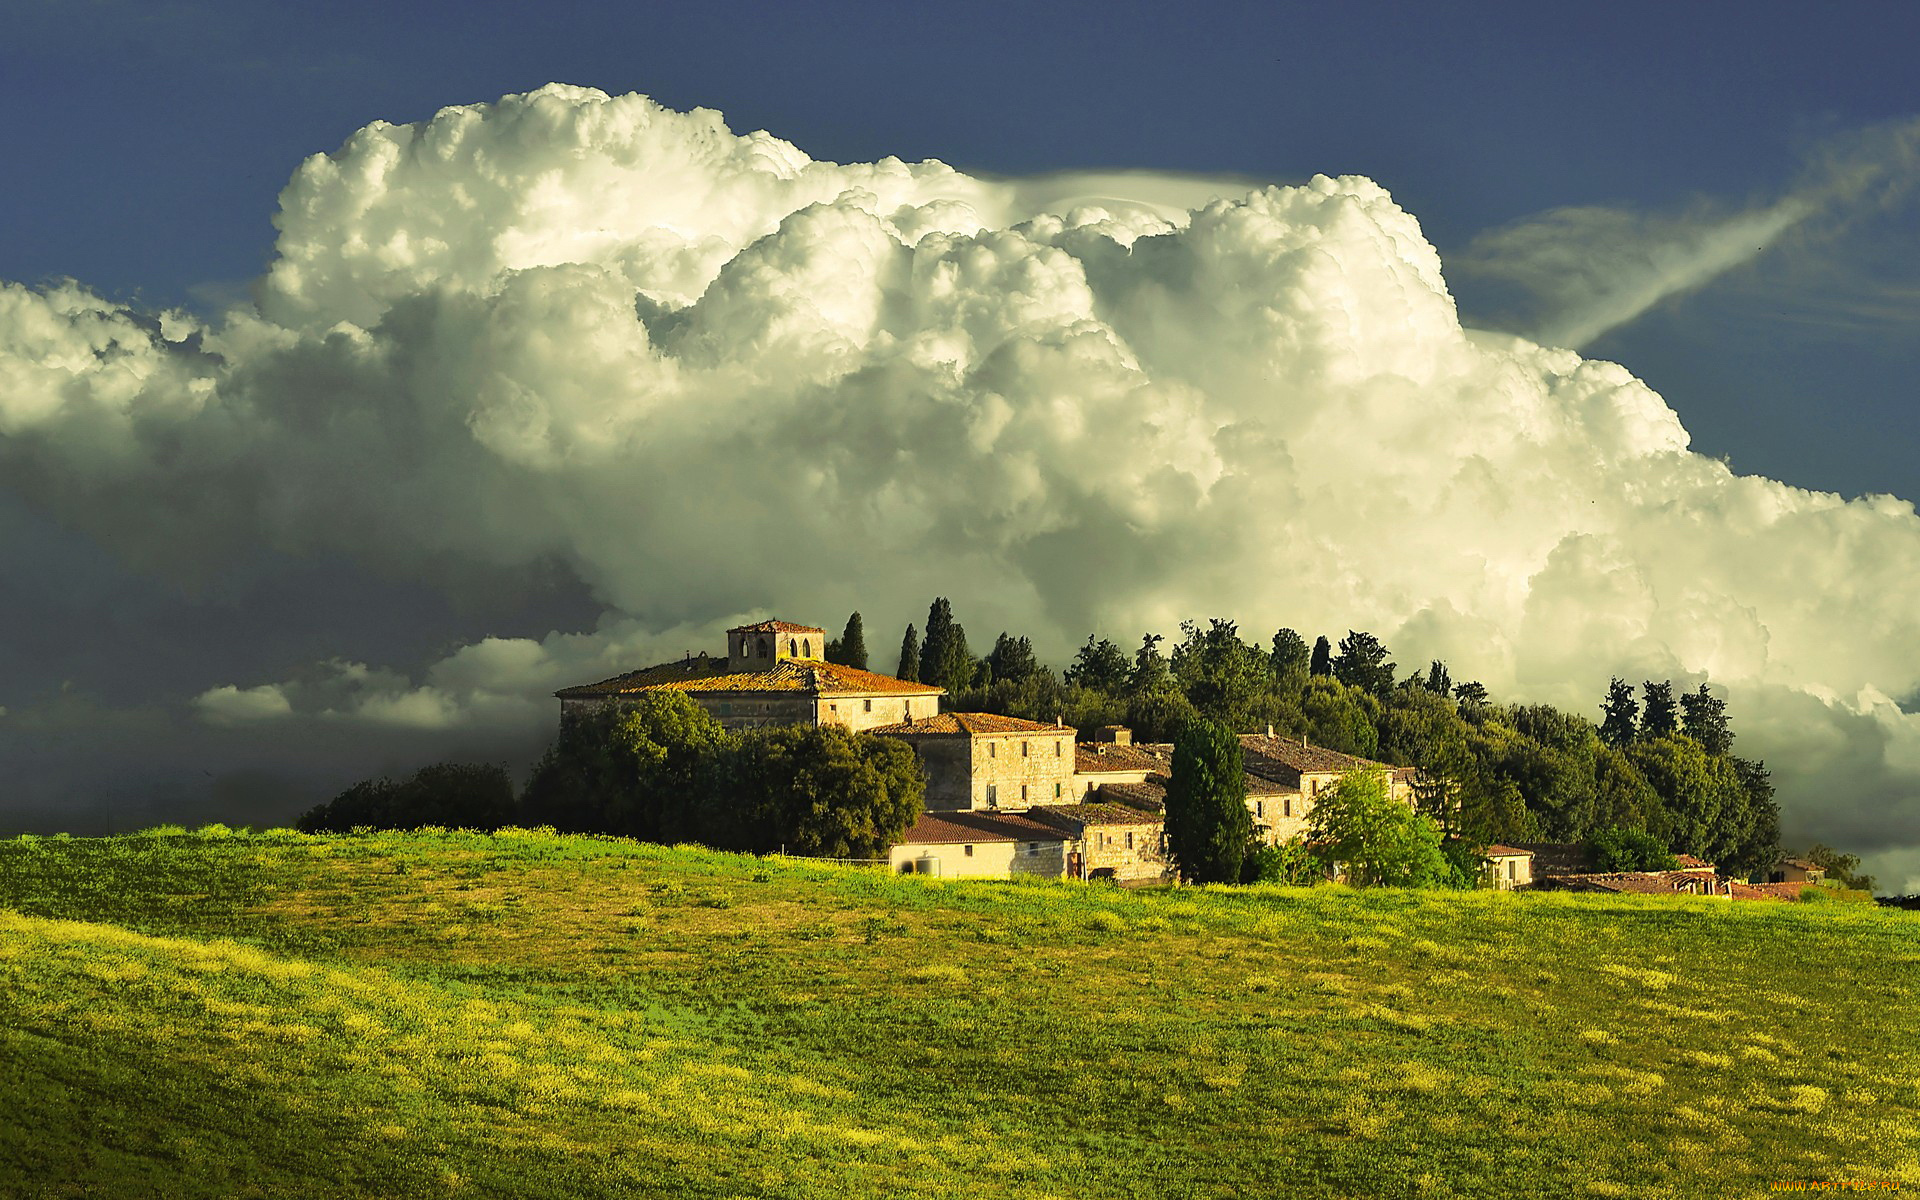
1208,826
1703,717
945,660
909,668
1657,715
1322,663
1621,714
1289,658
851,649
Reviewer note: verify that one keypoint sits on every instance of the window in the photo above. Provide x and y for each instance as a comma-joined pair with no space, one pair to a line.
993,794
1033,848
1059,749
1315,785
969,851
993,750
1129,841
1057,791
1023,791
1260,808
1023,749
1286,807
869,706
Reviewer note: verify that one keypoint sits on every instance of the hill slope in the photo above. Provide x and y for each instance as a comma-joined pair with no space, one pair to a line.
527,1015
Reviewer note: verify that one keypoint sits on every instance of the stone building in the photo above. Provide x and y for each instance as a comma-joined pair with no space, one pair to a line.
1110,841
984,760
1299,771
772,675
975,845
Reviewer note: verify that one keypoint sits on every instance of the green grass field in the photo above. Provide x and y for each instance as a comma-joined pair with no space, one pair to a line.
393,1015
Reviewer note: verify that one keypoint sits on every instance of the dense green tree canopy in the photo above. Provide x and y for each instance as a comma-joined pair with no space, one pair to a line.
452,795
1381,841
945,660
1362,663
1099,665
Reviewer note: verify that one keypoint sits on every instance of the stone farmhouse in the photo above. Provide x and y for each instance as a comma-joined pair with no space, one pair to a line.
1005,796
774,673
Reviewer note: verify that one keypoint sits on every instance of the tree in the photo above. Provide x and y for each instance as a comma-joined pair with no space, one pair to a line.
1289,660
1628,850
1149,666
1100,665
1289,863
1322,661
1012,658
1620,714
1362,663
850,648
1657,714
1439,680
1158,715
1339,717
1759,849
945,660
1221,675
1703,717
642,769
1703,807
1208,826
825,791
909,668
1844,869
1472,692
1381,841
452,795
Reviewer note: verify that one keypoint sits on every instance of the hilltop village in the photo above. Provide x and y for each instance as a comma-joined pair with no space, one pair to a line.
1007,796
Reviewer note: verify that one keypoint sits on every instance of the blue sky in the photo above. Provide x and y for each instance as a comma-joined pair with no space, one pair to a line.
147,142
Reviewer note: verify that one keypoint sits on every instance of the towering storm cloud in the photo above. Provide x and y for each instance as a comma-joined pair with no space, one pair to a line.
711,377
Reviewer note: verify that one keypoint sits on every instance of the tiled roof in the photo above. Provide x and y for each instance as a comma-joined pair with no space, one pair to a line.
969,725
1499,851
1150,796
950,828
1105,758
1689,863
1068,816
1266,752
1656,883
790,675
776,627
1802,864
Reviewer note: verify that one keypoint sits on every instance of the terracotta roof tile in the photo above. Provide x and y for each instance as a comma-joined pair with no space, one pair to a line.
1150,796
949,828
1287,756
776,627
1105,758
1499,851
969,725
1082,815
790,675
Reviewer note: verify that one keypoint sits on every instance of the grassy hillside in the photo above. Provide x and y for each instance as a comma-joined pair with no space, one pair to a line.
211,1014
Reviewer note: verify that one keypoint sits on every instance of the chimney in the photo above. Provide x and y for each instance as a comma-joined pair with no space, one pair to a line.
1269,728
1303,741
